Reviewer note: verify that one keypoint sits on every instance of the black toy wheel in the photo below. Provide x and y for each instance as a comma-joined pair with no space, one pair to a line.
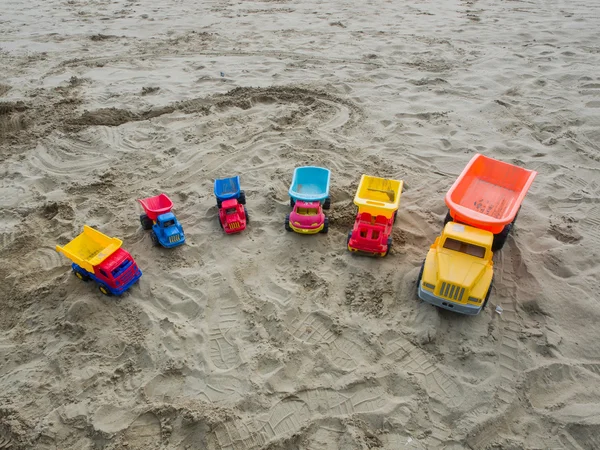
219,203
102,288
154,239
145,222
292,202
487,296
327,203
395,215
500,238
389,246
349,237
242,198
325,226
287,223
81,276
420,277
247,216
448,218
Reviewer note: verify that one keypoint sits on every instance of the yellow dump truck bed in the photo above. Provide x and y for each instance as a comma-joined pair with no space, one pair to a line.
90,248
378,196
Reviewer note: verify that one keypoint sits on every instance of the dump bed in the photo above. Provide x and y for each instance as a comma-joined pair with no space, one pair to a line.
488,193
90,248
226,188
378,196
310,184
155,206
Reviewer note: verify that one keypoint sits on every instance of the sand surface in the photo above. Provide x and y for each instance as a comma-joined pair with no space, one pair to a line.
268,339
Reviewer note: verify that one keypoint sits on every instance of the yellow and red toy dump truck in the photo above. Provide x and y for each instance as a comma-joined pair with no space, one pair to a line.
378,200
100,258
483,205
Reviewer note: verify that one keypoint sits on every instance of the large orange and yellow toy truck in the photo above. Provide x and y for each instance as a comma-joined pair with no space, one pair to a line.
483,205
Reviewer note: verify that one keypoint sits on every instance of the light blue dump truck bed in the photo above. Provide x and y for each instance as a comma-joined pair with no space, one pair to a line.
310,184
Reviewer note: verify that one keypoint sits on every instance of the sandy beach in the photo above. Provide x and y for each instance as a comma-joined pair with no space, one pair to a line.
268,339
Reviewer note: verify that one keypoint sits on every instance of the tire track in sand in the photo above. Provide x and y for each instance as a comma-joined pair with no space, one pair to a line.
298,411
510,267
343,349
223,320
440,387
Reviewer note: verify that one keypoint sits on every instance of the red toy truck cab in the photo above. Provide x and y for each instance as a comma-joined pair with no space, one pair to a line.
371,234
233,217
307,218
117,273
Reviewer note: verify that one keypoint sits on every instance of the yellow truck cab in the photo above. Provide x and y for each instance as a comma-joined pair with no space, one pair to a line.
458,270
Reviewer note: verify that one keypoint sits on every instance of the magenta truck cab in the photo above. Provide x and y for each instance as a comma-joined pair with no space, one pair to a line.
307,218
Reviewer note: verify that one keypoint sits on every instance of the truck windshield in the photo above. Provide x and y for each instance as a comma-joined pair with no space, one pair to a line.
307,211
121,268
464,247
168,223
230,211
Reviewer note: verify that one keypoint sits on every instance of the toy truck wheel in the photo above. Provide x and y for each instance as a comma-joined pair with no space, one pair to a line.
487,296
420,277
287,223
219,202
395,215
389,247
349,237
102,288
145,222
154,239
500,238
448,218
325,226
247,216
81,276
292,202
242,198
327,203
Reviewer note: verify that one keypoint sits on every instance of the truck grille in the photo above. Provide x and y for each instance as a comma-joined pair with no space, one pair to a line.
452,292
128,275
174,238
234,225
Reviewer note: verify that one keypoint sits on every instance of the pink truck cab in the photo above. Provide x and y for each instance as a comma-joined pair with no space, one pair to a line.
307,218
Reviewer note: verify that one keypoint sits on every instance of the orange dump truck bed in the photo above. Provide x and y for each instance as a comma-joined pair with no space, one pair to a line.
488,193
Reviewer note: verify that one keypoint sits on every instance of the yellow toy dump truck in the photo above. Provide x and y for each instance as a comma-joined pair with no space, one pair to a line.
100,258
378,200
483,204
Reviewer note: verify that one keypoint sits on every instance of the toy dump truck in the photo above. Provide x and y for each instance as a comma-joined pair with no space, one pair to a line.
309,196
100,258
166,229
378,200
484,201
233,215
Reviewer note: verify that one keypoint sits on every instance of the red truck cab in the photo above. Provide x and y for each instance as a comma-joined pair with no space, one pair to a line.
233,216
118,272
371,234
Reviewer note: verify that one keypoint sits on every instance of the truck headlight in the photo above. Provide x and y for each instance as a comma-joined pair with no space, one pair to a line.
473,299
429,286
